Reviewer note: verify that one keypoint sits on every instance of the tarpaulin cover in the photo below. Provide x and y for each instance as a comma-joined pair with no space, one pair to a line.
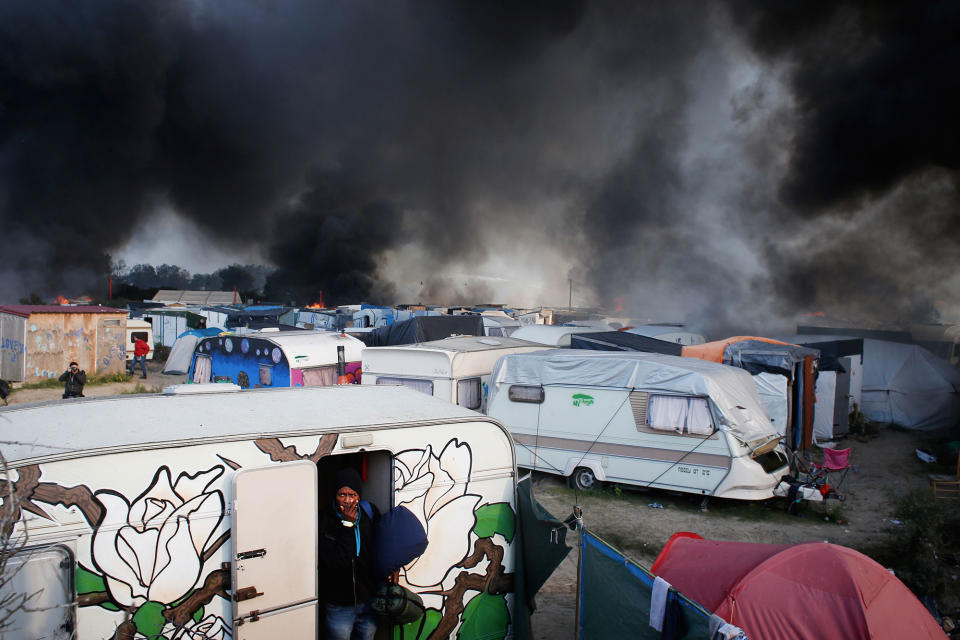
772,389
181,354
623,341
785,592
543,546
753,354
423,329
615,597
732,390
909,386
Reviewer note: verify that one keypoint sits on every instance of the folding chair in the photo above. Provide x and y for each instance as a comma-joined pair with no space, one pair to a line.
836,462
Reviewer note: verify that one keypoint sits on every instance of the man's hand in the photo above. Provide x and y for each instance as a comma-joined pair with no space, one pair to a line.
350,510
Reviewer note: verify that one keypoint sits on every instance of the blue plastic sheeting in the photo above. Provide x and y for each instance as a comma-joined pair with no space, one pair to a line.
202,333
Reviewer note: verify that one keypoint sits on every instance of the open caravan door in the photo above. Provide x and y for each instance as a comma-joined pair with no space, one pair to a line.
274,567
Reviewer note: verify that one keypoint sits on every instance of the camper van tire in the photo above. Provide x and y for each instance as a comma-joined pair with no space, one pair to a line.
583,479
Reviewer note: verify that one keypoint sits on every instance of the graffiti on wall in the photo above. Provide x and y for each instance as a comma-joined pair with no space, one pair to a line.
12,350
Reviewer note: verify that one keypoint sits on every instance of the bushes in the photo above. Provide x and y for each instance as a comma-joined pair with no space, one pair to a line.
923,547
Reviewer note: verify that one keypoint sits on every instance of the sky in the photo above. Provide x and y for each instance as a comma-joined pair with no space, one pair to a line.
733,165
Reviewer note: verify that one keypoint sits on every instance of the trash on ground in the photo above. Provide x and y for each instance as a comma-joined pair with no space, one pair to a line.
926,455
655,505
894,521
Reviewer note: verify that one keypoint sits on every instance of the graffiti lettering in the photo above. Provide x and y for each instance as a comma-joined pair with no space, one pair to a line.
12,349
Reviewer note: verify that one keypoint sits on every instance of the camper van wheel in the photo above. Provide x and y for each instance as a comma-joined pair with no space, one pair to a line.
583,479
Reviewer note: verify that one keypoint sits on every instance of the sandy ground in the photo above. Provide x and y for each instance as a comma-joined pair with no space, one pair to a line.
886,466
154,383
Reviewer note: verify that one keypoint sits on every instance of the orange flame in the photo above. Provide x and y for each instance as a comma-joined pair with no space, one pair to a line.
618,302
318,304
61,300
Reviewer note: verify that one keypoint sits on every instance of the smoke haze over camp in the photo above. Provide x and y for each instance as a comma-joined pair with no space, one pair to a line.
732,165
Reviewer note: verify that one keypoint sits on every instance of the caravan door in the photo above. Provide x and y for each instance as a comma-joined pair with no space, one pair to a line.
274,565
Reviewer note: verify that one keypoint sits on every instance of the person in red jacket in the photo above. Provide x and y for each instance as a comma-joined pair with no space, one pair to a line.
140,351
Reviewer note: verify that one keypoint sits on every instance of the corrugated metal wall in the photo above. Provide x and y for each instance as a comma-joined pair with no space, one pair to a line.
13,349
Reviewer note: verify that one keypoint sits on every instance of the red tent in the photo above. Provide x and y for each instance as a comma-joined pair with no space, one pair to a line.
779,592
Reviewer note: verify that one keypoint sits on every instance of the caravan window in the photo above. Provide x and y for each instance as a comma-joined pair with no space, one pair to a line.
138,335
468,393
423,386
680,414
526,393
266,375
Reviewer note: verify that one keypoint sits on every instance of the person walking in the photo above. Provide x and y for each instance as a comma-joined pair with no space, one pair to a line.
346,564
74,378
140,351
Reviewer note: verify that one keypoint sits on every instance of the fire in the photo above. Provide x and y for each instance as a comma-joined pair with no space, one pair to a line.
618,302
61,300
318,304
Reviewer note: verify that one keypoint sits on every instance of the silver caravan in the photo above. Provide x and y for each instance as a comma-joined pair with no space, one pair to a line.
641,419
193,514
456,369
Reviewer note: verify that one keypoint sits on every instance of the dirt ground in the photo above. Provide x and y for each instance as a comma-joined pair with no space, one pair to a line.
886,465
155,382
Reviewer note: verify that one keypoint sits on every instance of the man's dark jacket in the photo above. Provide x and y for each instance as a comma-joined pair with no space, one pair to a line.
74,382
345,578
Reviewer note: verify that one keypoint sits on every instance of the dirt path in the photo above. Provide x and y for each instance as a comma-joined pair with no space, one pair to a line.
886,467
155,382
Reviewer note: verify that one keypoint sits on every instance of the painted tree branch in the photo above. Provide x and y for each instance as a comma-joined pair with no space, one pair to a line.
217,583
279,453
219,542
495,582
28,488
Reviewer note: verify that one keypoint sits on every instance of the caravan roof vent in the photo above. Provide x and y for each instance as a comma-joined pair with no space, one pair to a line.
213,387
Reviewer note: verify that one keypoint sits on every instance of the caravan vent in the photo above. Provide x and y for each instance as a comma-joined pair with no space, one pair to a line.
639,401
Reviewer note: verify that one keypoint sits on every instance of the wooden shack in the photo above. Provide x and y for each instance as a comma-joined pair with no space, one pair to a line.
37,342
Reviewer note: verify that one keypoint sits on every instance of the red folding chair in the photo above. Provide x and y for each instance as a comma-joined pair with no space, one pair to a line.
836,464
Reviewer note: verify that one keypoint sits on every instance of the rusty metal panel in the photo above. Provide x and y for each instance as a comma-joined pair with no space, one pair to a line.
94,341
13,351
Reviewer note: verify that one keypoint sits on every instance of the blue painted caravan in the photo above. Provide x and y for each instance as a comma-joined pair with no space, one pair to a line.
274,359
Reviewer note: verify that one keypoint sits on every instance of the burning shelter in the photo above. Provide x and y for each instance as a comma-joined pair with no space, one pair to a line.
37,342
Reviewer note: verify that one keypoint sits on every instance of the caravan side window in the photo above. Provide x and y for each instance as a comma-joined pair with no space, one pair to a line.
468,393
680,415
423,386
526,393
266,375
202,369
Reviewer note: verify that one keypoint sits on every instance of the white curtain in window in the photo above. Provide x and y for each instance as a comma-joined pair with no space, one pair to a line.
423,386
201,369
320,376
668,413
266,375
468,393
699,420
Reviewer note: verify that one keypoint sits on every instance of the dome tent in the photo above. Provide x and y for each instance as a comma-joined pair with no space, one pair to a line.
780,592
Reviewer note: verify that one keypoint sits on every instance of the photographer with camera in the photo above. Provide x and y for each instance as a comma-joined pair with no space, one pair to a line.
74,378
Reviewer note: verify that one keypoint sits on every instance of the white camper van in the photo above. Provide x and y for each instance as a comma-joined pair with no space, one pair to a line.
553,335
198,518
138,329
639,419
456,369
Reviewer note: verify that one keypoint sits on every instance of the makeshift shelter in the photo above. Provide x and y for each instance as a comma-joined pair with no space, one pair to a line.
909,386
38,341
181,354
552,334
424,329
623,341
839,381
781,592
785,375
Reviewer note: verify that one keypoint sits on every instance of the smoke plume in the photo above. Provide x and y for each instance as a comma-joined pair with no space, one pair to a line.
728,165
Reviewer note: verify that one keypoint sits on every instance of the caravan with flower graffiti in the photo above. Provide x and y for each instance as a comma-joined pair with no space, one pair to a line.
197,520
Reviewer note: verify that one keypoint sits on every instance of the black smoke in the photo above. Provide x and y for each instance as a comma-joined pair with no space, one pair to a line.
731,165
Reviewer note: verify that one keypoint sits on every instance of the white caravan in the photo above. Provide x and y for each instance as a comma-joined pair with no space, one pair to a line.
639,419
553,335
138,329
456,369
198,518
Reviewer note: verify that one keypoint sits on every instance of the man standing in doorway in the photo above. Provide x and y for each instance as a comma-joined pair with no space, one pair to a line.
346,564
140,351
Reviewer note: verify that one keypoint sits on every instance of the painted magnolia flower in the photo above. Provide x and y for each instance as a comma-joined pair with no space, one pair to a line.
210,628
151,550
434,488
